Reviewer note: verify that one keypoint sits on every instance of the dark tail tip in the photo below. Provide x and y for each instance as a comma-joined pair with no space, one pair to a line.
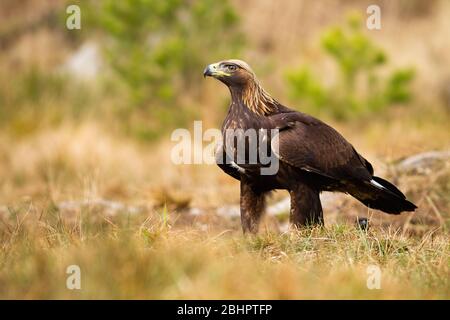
394,200
383,196
409,206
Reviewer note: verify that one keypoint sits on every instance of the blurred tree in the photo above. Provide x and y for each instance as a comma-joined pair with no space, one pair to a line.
360,89
157,48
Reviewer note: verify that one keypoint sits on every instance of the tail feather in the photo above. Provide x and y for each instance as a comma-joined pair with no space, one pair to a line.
387,185
382,195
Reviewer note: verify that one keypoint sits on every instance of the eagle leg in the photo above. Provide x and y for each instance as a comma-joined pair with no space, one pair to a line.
306,208
252,206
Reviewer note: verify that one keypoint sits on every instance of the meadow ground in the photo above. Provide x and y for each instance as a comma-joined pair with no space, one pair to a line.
144,258
104,208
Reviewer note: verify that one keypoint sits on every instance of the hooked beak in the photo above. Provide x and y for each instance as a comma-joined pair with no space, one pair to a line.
214,70
207,72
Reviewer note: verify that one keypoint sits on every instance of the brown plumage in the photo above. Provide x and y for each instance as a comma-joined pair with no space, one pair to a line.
313,157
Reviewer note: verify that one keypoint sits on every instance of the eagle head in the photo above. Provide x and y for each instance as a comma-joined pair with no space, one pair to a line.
233,72
243,85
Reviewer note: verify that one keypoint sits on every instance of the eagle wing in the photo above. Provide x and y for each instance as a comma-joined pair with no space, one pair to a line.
311,145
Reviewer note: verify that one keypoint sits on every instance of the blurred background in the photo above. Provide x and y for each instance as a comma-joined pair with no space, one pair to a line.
86,114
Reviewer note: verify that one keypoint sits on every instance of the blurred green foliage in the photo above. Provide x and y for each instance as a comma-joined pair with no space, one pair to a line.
154,52
158,48
157,51
34,98
359,90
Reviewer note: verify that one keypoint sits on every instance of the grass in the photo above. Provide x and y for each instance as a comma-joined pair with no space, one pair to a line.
147,256
158,250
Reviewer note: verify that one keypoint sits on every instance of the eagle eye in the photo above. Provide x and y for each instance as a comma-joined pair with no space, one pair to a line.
231,67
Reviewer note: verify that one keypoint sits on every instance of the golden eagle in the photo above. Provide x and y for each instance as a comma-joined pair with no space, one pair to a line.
313,157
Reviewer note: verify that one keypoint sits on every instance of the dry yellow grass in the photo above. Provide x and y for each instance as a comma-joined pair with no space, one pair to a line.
142,257
133,253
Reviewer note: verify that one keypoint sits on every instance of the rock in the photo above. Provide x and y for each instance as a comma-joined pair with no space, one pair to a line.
110,208
229,211
330,201
423,162
85,63
362,223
